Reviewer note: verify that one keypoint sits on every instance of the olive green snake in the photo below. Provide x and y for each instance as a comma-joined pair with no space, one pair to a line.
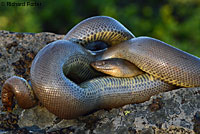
53,64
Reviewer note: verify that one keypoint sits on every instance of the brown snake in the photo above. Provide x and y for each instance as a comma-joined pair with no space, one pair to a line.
68,100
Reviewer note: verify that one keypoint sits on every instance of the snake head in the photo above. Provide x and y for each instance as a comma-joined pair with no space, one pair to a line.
116,67
104,65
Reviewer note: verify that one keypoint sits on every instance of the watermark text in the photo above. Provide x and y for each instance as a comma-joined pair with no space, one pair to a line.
20,4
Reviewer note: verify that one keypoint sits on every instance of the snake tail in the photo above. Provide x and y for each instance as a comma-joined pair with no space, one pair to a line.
20,89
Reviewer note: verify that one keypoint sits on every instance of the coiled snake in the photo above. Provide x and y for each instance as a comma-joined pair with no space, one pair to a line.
163,63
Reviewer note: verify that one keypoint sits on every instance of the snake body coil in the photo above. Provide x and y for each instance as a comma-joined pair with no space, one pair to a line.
99,28
160,60
68,100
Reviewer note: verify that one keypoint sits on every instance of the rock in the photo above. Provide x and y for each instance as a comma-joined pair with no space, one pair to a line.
175,111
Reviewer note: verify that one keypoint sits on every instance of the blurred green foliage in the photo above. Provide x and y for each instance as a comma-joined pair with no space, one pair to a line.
176,22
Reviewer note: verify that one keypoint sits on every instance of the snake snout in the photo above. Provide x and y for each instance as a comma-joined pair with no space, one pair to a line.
101,65
98,64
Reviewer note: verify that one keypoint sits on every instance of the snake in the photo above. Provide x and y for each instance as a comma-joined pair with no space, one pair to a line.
68,100
117,67
159,59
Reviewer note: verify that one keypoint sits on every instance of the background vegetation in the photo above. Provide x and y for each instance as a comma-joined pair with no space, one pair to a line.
176,22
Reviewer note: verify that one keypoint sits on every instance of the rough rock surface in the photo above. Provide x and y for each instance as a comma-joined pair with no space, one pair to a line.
176,111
